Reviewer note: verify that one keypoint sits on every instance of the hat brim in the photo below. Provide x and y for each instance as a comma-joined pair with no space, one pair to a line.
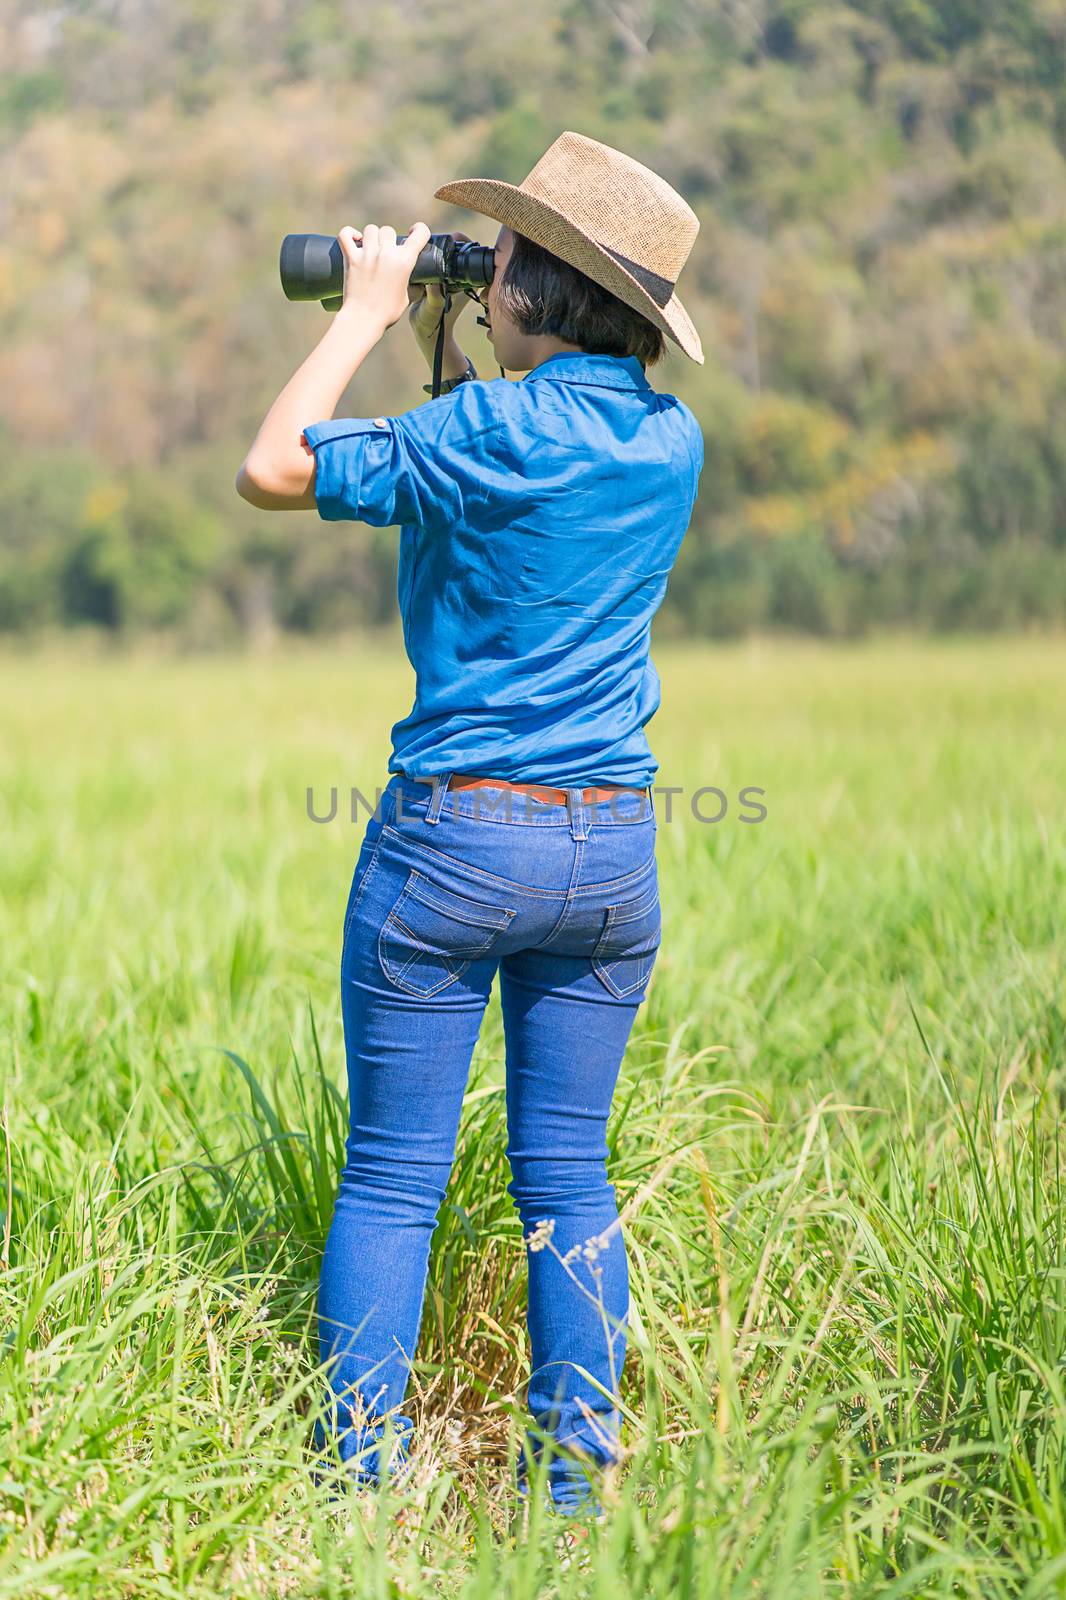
536,220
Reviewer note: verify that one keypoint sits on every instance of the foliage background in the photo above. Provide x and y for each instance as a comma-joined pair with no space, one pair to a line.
879,281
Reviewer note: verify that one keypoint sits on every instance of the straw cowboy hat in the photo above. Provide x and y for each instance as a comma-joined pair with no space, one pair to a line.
602,212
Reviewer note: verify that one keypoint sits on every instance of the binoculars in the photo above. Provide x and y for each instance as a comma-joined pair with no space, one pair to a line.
312,266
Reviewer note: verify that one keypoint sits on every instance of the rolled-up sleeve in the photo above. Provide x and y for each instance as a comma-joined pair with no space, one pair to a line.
421,467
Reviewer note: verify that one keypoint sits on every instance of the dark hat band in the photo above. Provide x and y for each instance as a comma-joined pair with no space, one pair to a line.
660,289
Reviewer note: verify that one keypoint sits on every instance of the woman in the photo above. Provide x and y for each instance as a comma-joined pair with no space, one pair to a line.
539,522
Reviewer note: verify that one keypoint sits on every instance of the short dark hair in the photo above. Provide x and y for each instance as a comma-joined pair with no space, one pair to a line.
545,295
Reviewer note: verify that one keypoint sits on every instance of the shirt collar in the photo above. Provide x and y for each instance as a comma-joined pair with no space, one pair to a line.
604,372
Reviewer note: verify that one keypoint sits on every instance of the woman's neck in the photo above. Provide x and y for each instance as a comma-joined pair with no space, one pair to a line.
542,345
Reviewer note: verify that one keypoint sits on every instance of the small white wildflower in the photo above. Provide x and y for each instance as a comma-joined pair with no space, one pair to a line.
541,1234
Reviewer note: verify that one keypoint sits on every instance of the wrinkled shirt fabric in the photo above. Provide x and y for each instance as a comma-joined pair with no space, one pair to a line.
539,521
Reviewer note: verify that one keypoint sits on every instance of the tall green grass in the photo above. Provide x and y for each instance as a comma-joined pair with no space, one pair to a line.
837,1141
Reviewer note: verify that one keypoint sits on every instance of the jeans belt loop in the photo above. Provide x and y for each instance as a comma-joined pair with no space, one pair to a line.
436,799
579,817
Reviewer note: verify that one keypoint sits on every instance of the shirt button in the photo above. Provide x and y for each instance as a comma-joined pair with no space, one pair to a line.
379,422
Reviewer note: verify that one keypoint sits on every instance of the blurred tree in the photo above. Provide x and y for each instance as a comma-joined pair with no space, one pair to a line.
142,551
879,280
43,496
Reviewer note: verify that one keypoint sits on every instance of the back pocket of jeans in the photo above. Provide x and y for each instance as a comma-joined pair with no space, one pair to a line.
431,935
626,949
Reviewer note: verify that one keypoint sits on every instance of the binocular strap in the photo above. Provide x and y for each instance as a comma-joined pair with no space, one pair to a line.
438,349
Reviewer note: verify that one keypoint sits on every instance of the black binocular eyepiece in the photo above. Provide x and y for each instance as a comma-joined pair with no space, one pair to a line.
312,265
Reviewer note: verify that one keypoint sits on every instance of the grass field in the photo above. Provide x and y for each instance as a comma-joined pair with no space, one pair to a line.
837,1139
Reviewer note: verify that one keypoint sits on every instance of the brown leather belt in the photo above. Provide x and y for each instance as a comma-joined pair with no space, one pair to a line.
540,791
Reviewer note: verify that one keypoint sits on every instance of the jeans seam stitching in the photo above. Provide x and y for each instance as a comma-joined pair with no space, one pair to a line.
603,969
395,975
371,864
642,906
530,821
427,899
568,904
491,877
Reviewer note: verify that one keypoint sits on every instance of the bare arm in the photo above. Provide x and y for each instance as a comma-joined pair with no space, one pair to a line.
278,473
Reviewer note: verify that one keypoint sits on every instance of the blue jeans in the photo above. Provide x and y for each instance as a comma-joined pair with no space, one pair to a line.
562,900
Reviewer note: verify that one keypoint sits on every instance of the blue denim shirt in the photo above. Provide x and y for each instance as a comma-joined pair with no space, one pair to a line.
539,521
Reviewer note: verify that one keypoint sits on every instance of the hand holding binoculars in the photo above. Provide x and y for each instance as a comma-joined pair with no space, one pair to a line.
312,266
